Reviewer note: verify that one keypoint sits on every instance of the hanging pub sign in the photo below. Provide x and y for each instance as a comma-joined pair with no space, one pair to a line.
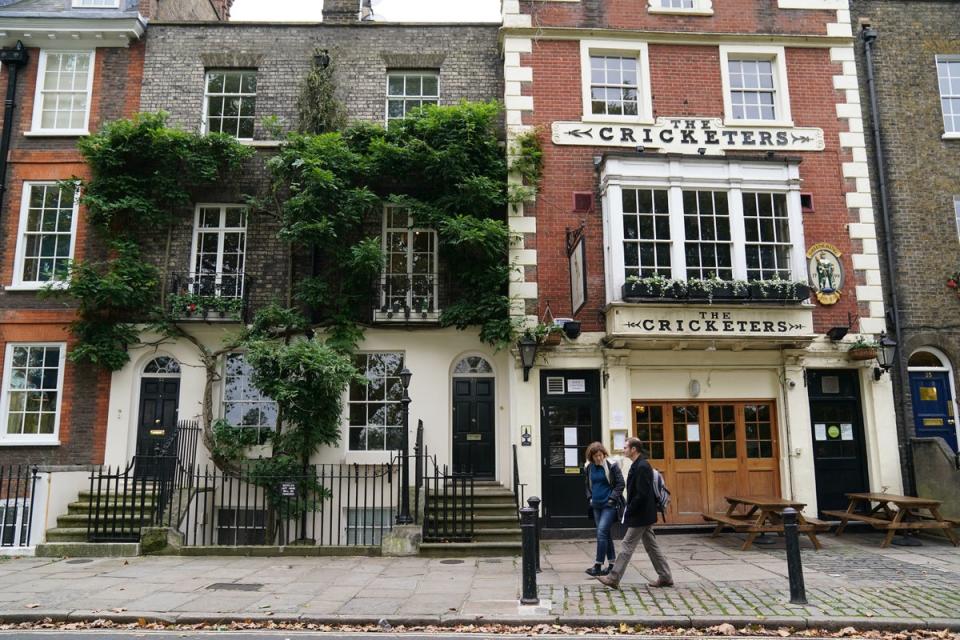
826,272
577,257
700,136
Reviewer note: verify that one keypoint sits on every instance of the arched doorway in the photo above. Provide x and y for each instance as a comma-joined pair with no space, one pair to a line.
474,417
931,389
159,404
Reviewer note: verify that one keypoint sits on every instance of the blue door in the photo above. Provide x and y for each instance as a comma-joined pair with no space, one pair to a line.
933,406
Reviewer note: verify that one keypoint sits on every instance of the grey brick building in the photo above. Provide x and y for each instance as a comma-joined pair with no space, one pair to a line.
914,48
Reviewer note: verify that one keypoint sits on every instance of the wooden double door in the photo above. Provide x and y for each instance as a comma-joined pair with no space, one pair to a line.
709,450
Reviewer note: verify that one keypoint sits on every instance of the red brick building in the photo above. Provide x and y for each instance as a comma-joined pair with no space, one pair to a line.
705,216
67,70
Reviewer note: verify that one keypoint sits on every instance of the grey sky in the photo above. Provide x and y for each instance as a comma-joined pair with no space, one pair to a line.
390,10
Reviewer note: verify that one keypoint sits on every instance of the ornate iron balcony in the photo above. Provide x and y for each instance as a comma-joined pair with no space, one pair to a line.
209,297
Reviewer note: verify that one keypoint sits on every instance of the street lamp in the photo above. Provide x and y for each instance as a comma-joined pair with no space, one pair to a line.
404,516
527,346
886,353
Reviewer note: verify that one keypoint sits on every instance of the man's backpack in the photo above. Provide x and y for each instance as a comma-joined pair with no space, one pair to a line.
661,494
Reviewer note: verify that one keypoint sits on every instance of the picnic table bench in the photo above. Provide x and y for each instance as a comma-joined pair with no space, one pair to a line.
764,515
904,514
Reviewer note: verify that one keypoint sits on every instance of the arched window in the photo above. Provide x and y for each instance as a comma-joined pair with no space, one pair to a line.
162,366
925,358
473,366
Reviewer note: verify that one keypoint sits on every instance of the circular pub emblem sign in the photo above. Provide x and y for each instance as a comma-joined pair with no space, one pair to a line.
825,272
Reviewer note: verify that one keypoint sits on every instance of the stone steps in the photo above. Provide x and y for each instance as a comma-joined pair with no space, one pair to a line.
496,530
469,549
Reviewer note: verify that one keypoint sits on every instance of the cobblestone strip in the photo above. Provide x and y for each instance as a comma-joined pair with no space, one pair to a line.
906,601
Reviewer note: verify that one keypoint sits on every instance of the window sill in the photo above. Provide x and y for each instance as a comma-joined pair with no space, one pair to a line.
60,133
29,286
261,143
681,12
951,136
30,443
773,124
600,120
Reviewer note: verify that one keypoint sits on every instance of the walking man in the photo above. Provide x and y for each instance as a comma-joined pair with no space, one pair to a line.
639,516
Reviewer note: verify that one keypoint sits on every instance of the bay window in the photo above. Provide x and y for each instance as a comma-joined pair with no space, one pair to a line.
696,219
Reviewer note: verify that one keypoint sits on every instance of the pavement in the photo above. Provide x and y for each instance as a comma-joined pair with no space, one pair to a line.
851,581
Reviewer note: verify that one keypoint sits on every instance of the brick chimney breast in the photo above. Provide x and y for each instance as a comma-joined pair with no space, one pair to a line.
341,11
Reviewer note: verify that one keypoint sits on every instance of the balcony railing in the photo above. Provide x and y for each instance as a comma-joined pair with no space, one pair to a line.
209,297
409,297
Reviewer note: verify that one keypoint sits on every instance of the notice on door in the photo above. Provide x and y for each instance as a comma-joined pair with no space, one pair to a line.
570,436
576,386
570,457
820,431
693,432
846,431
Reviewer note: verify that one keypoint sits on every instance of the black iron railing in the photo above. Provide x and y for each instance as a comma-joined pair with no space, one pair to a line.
449,506
410,297
17,486
124,500
209,296
518,487
326,505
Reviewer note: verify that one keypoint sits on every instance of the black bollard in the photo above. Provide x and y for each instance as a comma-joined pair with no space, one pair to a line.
798,593
534,503
528,527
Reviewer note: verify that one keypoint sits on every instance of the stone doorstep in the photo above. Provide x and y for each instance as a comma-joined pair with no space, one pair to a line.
456,619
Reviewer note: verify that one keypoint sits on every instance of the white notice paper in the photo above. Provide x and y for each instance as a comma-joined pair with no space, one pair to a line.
570,436
570,457
619,419
619,440
693,432
576,386
846,431
820,431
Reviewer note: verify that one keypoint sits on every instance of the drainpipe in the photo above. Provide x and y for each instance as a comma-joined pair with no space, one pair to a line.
869,36
14,58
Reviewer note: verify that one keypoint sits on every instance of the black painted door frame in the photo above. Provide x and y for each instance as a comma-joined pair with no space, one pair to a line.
840,464
474,426
569,411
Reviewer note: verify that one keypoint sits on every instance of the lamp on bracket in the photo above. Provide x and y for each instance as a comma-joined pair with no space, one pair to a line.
886,353
527,346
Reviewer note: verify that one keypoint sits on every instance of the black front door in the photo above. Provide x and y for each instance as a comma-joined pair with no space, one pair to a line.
839,454
474,443
159,400
569,422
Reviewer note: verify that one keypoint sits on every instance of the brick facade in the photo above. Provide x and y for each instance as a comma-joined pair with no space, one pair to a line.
922,172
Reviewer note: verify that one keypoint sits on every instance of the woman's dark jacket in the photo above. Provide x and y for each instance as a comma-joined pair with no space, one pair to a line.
641,508
614,477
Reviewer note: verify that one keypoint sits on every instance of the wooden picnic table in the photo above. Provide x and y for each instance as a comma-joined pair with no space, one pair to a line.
764,514
904,514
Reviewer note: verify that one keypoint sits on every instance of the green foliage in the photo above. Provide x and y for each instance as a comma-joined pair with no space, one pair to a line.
144,170
445,167
111,295
307,379
193,304
231,442
527,155
317,104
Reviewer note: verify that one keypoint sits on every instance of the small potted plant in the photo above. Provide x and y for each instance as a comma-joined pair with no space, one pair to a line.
862,349
953,282
653,288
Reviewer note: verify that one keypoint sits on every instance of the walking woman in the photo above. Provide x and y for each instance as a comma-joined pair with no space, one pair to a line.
605,497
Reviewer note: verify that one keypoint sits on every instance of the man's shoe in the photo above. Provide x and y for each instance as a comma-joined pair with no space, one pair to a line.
594,571
660,584
606,570
608,581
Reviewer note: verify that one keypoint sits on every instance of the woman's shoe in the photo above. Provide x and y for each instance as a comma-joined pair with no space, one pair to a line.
595,571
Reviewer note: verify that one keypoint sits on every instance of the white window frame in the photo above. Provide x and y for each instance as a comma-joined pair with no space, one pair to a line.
781,101
384,314
678,175
220,231
37,128
365,452
699,8
204,123
622,48
956,210
19,284
96,4
955,134
390,96
50,439
263,399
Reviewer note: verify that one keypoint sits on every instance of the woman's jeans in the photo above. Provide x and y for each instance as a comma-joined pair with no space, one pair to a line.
604,517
